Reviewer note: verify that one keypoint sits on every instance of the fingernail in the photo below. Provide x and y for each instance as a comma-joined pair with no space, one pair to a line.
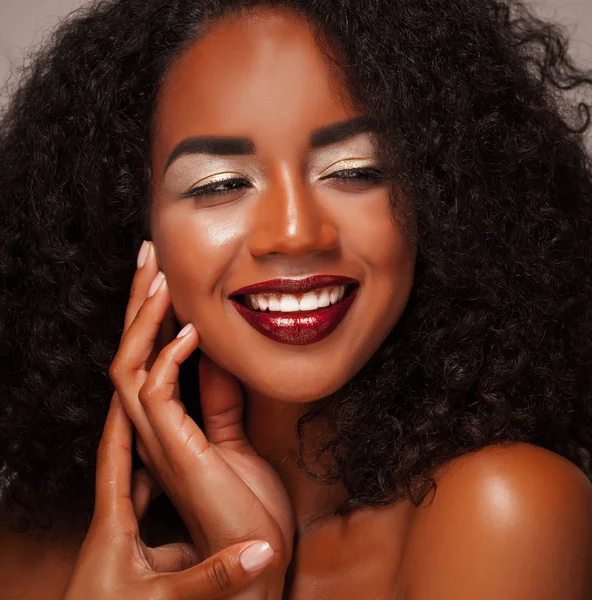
143,254
185,330
155,283
255,557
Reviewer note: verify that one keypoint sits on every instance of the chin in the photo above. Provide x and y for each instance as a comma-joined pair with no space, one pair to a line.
294,390
294,378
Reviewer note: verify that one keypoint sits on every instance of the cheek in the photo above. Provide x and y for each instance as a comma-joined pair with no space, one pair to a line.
385,245
195,251
379,239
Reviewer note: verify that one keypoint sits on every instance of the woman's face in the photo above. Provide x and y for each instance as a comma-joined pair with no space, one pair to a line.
263,89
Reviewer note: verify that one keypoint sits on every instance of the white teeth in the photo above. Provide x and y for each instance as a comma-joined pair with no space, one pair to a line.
324,299
333,295
309,301
290,303
261,301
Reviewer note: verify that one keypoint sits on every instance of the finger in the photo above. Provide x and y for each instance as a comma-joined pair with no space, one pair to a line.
222,406
128,369
145,488
165,414
221,575
114,466
142,279
171,558
138,341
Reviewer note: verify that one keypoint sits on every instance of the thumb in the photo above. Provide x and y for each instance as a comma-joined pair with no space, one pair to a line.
222,575
222,405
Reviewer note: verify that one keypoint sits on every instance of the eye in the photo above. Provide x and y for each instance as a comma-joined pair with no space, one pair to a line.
362,175
218,188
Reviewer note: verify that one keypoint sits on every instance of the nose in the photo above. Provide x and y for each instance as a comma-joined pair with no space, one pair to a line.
289,220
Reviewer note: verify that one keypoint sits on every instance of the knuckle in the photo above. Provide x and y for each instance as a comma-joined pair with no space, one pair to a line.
115,370
186,558
218,575
147,393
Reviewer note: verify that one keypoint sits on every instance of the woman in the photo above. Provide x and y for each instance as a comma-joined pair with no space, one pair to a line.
371,219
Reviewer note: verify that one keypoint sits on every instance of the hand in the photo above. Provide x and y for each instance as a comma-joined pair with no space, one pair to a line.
223,490
113,561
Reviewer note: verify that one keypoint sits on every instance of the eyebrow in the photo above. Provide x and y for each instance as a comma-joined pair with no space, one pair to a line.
233,146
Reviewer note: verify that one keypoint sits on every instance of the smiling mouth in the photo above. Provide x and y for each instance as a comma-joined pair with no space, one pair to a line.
313,301
295,324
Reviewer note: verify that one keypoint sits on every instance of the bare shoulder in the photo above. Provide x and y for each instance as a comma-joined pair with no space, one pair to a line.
511,520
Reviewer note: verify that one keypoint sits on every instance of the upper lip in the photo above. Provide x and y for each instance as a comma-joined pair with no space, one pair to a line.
288,285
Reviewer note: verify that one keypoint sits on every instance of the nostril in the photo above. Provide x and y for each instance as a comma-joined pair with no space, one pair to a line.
293,230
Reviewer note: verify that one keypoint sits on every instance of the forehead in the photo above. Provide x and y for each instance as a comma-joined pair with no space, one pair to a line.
264,73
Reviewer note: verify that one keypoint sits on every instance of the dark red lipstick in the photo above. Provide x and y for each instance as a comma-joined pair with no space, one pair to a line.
289,285
298,327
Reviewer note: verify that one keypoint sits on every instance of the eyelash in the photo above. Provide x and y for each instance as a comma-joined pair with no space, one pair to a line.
368,174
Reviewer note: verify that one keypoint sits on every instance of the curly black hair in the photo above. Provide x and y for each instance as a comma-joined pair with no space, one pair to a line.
477,127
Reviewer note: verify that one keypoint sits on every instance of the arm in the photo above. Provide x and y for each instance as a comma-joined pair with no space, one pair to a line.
509,522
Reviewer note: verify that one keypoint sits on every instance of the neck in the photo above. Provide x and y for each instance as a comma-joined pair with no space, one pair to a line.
270,425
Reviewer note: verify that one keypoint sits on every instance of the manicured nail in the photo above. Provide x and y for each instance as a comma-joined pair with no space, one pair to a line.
185,330
255,557
143,254
155,283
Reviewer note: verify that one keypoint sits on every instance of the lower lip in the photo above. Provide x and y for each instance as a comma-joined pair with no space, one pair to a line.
297,328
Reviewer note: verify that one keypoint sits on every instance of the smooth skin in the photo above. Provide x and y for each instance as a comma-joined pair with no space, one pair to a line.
511,521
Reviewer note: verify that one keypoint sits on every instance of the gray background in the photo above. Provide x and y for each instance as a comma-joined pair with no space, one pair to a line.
24,23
